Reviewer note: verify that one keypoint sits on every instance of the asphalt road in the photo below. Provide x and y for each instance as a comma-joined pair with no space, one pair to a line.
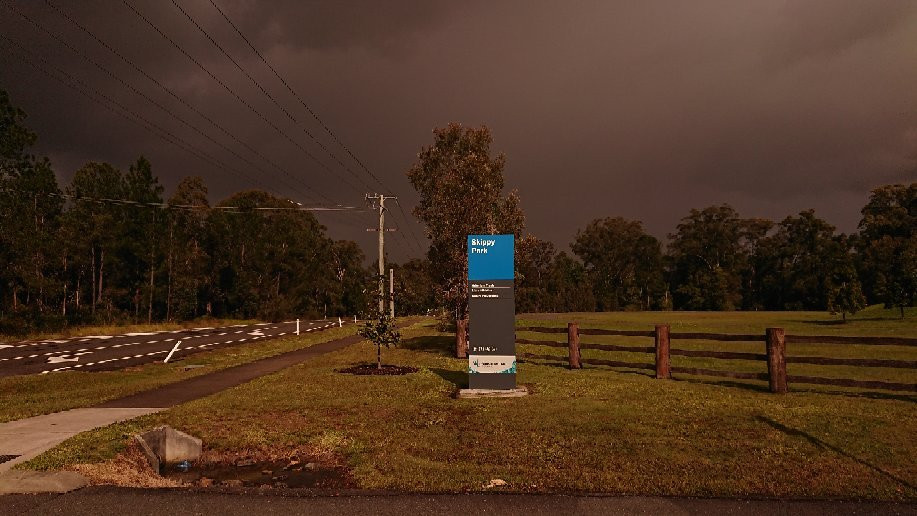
112,500
109,352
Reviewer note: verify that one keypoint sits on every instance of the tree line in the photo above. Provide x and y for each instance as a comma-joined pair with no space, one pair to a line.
714,260
109,248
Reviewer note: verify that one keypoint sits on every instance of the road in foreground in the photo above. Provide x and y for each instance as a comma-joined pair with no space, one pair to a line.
112,500
109,352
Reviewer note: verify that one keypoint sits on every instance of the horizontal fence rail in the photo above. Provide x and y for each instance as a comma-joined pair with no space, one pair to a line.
832,339
774,339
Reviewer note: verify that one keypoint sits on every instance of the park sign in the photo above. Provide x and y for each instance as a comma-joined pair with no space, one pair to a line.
491,312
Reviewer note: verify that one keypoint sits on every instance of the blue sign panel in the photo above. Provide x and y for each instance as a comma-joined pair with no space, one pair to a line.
490,257
492,314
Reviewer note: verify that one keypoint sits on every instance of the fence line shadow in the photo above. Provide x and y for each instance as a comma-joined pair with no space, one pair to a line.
438,344
457,378
822,444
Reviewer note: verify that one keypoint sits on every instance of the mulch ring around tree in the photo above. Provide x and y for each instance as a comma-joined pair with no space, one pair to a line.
372,369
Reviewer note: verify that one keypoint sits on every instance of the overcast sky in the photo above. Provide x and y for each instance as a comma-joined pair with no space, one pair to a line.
635,109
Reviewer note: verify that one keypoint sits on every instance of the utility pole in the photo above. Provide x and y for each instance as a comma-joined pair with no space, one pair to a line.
381,198
391,292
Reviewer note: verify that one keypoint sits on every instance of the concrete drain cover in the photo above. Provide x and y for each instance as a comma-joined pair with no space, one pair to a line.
6,458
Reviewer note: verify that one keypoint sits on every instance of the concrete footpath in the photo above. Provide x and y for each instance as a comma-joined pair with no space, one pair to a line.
112,500
27,438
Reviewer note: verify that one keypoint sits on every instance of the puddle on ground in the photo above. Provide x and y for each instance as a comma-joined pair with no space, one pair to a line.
247,473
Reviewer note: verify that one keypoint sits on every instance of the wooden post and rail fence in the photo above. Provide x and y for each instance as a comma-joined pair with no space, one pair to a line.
775,354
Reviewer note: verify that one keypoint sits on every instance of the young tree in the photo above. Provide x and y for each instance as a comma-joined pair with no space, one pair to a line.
381,331
460,188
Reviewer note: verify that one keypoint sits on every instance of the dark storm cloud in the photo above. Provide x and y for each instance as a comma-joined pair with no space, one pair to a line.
643,110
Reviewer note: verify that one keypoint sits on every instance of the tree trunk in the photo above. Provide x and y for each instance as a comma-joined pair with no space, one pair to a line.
92,295
149,314
101,271
901,306
378,356
169,265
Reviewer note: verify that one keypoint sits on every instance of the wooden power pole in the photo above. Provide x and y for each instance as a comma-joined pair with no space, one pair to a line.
381,198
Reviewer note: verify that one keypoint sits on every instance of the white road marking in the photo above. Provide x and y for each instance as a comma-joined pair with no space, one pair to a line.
101,347
5,346
139,334
57,360
152,341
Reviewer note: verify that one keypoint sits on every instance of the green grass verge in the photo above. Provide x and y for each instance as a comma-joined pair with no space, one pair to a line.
33,395
874,321
594,429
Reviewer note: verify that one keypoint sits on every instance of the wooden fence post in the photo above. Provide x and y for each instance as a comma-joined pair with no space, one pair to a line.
663,369
461,338
573,344
776,359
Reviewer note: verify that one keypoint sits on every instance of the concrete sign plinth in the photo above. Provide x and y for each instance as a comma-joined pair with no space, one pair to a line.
518,392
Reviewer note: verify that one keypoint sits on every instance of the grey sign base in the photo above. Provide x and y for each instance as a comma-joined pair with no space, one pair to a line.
518,392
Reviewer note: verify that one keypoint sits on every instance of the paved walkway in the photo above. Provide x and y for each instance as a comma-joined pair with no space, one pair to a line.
112,500
28,438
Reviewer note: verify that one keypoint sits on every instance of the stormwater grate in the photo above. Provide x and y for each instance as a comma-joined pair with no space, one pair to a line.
6,458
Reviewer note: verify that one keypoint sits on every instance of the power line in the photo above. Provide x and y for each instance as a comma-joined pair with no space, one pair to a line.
133,89
169,205
327,129
301,101
267,94
406,221
173,95
125,112
232,92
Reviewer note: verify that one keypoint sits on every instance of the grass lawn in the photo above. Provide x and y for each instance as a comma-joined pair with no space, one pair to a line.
596,429
32,395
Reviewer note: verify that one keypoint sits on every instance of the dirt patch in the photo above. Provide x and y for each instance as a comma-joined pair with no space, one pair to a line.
288,473
373,370
128,469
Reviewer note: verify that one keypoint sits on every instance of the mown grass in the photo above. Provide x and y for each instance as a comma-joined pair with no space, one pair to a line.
117,329
594,430
32,395
874,321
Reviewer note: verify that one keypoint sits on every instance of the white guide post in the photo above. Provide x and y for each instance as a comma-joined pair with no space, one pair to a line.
174,349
